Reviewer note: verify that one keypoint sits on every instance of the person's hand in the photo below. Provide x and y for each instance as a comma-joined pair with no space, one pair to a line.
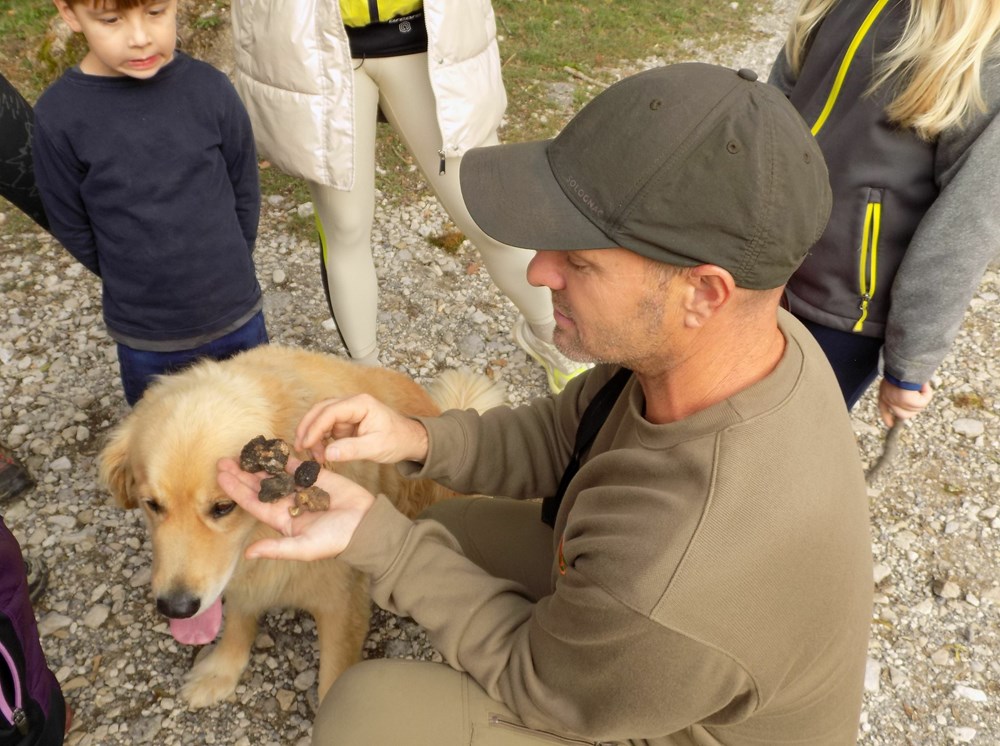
896,403
309,535
360,427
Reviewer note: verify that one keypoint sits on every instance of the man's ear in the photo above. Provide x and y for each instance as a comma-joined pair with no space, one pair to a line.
67,13
709,289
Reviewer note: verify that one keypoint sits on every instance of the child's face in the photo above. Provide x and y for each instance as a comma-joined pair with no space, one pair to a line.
136,42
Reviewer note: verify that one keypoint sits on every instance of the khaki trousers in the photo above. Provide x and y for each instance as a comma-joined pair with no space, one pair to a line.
413,703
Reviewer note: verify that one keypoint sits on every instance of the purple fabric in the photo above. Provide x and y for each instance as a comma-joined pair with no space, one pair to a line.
15,605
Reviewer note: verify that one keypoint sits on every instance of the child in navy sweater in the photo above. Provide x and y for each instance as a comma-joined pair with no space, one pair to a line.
147,169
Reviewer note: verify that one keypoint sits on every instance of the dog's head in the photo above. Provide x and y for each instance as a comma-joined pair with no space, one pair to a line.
162,459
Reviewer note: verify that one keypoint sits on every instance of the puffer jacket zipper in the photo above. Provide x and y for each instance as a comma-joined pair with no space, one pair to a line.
868,259
13,710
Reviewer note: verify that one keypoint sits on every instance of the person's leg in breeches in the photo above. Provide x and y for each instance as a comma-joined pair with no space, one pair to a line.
504,537
415,703
344,220
408,102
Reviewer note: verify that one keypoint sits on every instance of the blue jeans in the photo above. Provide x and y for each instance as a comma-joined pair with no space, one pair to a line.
854,358
138,367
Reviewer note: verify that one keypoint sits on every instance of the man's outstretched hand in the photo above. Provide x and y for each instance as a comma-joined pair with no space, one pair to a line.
308,535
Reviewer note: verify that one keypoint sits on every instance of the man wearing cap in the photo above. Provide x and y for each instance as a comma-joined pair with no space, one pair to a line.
701,572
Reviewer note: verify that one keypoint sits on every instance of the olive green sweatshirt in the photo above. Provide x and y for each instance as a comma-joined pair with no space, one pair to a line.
713,576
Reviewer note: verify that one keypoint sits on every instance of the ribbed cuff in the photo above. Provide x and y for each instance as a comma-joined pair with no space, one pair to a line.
907,385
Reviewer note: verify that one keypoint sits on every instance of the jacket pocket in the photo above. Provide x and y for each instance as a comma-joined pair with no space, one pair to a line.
541,736
868,256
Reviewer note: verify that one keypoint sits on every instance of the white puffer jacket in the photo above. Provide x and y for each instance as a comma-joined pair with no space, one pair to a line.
294,73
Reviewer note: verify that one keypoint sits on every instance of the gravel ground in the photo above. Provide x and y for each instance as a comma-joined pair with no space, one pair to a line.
935,650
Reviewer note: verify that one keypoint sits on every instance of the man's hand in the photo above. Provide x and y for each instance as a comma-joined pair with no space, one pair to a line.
896,403
309,535
360,428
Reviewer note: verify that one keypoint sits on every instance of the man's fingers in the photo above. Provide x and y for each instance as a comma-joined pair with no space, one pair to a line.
345,449
304,546
323,418
241,486
289,547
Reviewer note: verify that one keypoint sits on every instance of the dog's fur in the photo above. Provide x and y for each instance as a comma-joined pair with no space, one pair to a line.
162,458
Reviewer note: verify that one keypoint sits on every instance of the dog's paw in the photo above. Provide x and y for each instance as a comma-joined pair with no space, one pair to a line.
209,683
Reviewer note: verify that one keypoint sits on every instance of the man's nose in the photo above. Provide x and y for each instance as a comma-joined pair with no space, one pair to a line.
544,270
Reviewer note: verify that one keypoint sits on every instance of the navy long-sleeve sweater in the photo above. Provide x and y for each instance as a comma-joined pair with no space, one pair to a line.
153,186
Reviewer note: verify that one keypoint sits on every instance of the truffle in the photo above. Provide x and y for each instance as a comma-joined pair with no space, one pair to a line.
312,499
261,454
274,488
306,473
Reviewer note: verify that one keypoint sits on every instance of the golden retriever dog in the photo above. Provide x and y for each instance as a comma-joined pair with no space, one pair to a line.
162,458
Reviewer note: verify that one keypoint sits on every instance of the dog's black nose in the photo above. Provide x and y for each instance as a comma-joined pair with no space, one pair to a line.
178,605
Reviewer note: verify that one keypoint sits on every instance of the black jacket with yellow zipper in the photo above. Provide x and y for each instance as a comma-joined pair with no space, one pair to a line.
914,223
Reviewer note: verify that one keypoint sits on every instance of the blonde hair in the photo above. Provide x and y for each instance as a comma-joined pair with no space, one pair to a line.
936,66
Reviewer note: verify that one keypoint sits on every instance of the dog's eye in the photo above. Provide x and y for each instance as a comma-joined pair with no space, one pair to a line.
153,506
222,509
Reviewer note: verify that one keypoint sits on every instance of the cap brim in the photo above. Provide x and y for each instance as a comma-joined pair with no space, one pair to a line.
513,196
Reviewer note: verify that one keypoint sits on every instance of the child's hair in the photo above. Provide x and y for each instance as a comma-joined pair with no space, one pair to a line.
104,5
935,66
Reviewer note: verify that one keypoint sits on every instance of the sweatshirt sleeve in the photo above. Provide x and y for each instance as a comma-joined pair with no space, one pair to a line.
519,453
240,154
59,175
953,246
557,662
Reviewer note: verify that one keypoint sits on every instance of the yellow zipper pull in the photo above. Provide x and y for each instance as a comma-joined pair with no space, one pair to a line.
864,312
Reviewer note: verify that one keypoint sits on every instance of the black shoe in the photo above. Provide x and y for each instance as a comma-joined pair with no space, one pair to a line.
14,477
38,578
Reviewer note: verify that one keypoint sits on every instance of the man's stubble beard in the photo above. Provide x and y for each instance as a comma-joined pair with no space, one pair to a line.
628,349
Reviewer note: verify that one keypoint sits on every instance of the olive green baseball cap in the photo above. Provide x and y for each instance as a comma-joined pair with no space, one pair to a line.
686,164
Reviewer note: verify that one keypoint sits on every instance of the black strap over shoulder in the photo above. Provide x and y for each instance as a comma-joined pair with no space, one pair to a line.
593,418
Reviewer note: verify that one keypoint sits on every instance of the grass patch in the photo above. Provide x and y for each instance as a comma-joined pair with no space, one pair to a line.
23,20
207,23
30,56
274,181
539,39
968,400
450,240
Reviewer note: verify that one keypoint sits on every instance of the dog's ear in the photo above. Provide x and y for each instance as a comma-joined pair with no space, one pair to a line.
113,469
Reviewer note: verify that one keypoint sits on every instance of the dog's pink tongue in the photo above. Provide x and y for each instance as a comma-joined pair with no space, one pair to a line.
201,629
